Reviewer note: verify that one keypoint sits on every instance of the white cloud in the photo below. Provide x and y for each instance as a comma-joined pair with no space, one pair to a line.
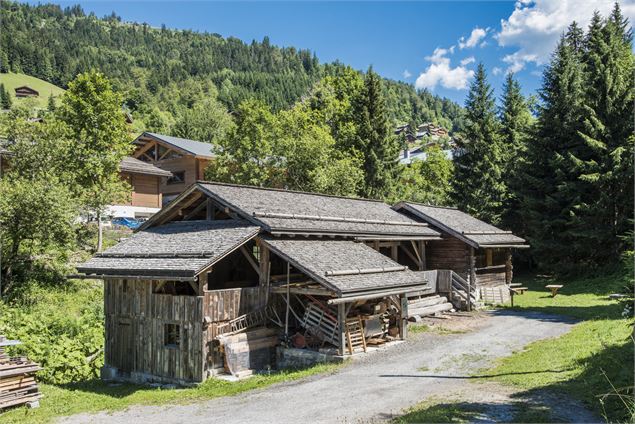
468,60
475,37
496,70
534,27
440,72
406,74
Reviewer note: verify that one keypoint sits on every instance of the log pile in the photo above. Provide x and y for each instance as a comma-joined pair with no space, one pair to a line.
430,305
17,378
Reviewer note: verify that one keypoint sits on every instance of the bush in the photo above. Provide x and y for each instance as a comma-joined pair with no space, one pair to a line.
60,328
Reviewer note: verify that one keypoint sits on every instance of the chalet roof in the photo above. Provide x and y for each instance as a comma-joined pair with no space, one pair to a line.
284,212
473,231
136,166
193,147
347,267
178,250
26,88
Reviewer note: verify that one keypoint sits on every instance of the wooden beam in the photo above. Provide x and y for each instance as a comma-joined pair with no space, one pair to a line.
409,254
422,247
178,211
144,149
194,212
394,253
403,316
251,260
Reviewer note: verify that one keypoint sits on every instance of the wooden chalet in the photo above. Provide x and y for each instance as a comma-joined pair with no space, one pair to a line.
146,197
26,91
478,252
219,276
185,159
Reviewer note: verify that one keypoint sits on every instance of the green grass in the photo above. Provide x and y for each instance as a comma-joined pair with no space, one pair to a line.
11,81
583,363
97,396
586,363
425,328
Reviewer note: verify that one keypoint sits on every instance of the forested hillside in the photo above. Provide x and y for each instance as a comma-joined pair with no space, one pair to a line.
163,72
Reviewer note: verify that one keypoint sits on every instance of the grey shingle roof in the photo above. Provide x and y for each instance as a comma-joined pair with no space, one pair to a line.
284,211
197,148
136,166
460,224
180,249
320,259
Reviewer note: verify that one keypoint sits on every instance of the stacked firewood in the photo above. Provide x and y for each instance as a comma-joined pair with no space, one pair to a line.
17,378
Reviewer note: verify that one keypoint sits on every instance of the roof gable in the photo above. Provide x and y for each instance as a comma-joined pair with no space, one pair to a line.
471,230
178,249
184,145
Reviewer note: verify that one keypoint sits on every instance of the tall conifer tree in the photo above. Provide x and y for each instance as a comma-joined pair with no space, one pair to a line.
478,187
549,191
378,146
516,120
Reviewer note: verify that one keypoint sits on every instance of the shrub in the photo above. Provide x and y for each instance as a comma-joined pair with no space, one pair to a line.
61,328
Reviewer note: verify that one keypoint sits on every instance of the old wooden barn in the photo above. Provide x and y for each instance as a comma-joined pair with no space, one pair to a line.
224,274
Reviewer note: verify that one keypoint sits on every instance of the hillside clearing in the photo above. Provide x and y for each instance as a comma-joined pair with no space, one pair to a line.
11,81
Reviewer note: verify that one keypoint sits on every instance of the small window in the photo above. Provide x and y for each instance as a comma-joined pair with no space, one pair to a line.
172,335
177,177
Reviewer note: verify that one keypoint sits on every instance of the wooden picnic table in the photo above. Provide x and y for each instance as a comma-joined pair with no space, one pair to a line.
519,290
554,288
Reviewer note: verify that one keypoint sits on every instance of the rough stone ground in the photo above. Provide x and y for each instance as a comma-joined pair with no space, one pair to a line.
382,385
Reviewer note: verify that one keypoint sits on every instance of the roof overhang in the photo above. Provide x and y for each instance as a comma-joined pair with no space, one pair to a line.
170,145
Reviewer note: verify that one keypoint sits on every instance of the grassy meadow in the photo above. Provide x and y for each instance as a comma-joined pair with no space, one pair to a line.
11,81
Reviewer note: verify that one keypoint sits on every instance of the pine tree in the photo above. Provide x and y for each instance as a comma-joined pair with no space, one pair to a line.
608,136
5,98
51,106
550,190
478,187
516,120
375,141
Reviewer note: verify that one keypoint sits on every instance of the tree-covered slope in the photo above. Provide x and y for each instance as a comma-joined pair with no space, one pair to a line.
150,64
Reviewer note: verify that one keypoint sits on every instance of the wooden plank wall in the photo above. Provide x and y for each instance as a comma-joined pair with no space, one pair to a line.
145,191
448,253
135,331
490,278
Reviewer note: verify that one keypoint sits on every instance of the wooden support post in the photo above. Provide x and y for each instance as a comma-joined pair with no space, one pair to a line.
341,321
471,282
509,268
394,253
265,270
403,316
286,315
422,253
211,209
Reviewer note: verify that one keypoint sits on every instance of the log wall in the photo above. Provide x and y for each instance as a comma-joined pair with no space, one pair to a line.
448,253
135,320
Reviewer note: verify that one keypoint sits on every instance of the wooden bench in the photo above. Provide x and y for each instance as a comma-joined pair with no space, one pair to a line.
554,288
519,290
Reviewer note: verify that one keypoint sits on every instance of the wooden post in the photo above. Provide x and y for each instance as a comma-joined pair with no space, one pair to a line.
341,321
394,253
508,266
286,315
471,282
210,210
403,316
265,269
422,253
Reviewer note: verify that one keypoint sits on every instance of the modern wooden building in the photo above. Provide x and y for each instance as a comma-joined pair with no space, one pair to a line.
221,274
477,251
146,197
185,159
25,91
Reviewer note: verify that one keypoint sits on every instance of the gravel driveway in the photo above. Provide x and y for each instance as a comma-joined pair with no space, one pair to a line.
376,386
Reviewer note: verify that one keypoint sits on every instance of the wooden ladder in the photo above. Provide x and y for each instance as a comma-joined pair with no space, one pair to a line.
355,335
244,322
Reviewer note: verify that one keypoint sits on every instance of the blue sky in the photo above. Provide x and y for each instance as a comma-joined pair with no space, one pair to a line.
432,44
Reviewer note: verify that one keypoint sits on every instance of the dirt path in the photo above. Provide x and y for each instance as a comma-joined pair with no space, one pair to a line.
379,386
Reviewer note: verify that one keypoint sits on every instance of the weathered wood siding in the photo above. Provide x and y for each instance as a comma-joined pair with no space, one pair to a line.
135,331
448,253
